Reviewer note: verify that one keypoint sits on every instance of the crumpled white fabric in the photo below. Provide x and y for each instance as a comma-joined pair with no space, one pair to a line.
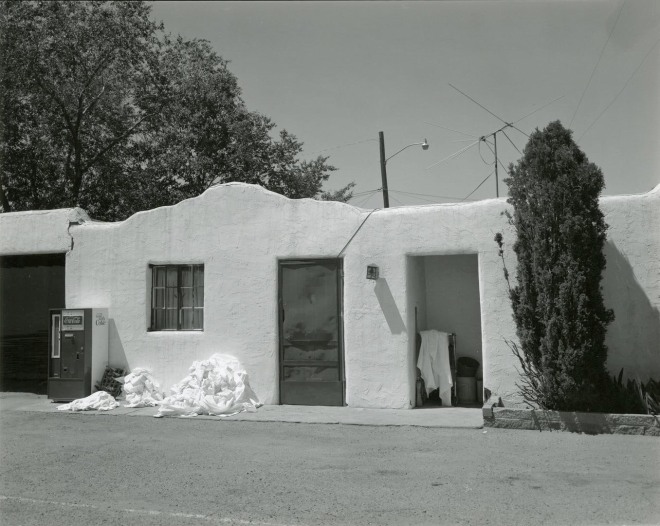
218,386
141,389
100,401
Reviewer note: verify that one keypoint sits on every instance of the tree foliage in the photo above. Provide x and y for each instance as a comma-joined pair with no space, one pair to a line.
557,302
102,109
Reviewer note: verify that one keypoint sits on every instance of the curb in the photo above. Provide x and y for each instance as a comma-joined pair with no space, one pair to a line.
575,422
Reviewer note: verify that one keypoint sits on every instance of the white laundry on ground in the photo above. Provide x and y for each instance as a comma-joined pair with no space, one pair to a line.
433,362
218,386
141,389
100,401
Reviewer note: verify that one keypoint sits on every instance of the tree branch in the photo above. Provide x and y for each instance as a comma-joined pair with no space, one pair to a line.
60,103
114,142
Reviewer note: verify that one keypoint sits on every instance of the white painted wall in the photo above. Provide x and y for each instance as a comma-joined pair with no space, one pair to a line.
239,231
631,283
416,289
38,232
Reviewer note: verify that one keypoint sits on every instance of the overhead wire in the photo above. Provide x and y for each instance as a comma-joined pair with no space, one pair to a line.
426,200
426,195
366,198
478,186
356,231
343,146
365,192
596,66
455,154
396,200
451,129
621,90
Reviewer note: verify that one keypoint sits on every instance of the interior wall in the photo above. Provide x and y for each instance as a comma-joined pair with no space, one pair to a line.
29,287
453,302
416,287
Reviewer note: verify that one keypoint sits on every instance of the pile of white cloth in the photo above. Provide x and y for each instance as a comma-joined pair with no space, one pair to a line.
141,389
100,401
218,386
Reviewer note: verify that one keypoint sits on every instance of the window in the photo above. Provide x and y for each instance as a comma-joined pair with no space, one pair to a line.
177,297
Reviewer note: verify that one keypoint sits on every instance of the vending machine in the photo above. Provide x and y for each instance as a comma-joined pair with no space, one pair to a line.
78,352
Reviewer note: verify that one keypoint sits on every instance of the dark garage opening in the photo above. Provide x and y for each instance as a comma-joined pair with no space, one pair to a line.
29,286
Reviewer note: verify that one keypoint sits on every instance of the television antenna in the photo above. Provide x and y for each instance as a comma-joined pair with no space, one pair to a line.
502,130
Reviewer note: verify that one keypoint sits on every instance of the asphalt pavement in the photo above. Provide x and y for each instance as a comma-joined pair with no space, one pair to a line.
79,469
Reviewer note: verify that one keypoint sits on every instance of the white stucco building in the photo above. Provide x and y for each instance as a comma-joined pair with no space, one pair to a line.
276,282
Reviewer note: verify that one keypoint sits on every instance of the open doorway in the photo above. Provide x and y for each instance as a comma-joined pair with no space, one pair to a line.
444,310
30,285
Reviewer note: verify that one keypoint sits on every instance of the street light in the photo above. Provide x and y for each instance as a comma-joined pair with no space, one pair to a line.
383,163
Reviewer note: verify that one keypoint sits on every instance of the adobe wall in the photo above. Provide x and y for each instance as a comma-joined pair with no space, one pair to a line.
239,232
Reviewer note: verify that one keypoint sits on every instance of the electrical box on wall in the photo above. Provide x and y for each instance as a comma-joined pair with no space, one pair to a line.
78,352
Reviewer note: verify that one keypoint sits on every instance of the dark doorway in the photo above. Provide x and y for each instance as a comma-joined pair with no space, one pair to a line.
29,286
311,348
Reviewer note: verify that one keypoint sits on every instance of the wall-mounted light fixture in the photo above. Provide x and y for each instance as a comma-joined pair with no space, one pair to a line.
372,272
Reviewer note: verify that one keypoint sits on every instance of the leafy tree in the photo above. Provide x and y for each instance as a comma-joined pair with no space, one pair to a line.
103,110
557,303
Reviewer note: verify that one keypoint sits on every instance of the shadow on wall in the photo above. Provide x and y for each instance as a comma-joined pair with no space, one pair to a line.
633,338
116,354
388,306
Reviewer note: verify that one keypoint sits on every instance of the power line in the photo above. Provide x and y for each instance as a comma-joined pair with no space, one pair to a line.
416,197
478,186
455,154
621,91
426,195
358,194
395,199
363,201
596,66
451,129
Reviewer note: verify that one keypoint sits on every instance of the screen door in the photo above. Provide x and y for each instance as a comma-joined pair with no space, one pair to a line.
311,350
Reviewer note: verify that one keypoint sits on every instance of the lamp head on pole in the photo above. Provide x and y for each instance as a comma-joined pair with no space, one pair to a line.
425,145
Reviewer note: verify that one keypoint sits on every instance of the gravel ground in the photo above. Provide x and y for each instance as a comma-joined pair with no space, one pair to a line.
80,469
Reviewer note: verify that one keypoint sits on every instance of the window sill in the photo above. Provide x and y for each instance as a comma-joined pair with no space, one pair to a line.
175,331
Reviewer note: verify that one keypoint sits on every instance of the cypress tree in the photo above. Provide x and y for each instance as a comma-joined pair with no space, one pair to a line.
558,307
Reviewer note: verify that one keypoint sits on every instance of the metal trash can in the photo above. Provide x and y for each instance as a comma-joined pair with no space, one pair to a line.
467,389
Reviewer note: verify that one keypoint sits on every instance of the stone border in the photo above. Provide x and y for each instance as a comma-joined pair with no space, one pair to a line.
589,423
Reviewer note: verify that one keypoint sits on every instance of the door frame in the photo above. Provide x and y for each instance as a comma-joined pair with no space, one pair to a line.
281,263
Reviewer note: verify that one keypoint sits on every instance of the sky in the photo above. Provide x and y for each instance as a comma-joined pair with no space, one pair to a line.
335,74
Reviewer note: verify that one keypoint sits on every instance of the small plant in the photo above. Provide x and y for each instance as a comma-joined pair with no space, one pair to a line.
634,396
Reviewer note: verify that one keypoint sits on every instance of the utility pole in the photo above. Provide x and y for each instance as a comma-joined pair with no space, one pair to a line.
497,190
383,170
